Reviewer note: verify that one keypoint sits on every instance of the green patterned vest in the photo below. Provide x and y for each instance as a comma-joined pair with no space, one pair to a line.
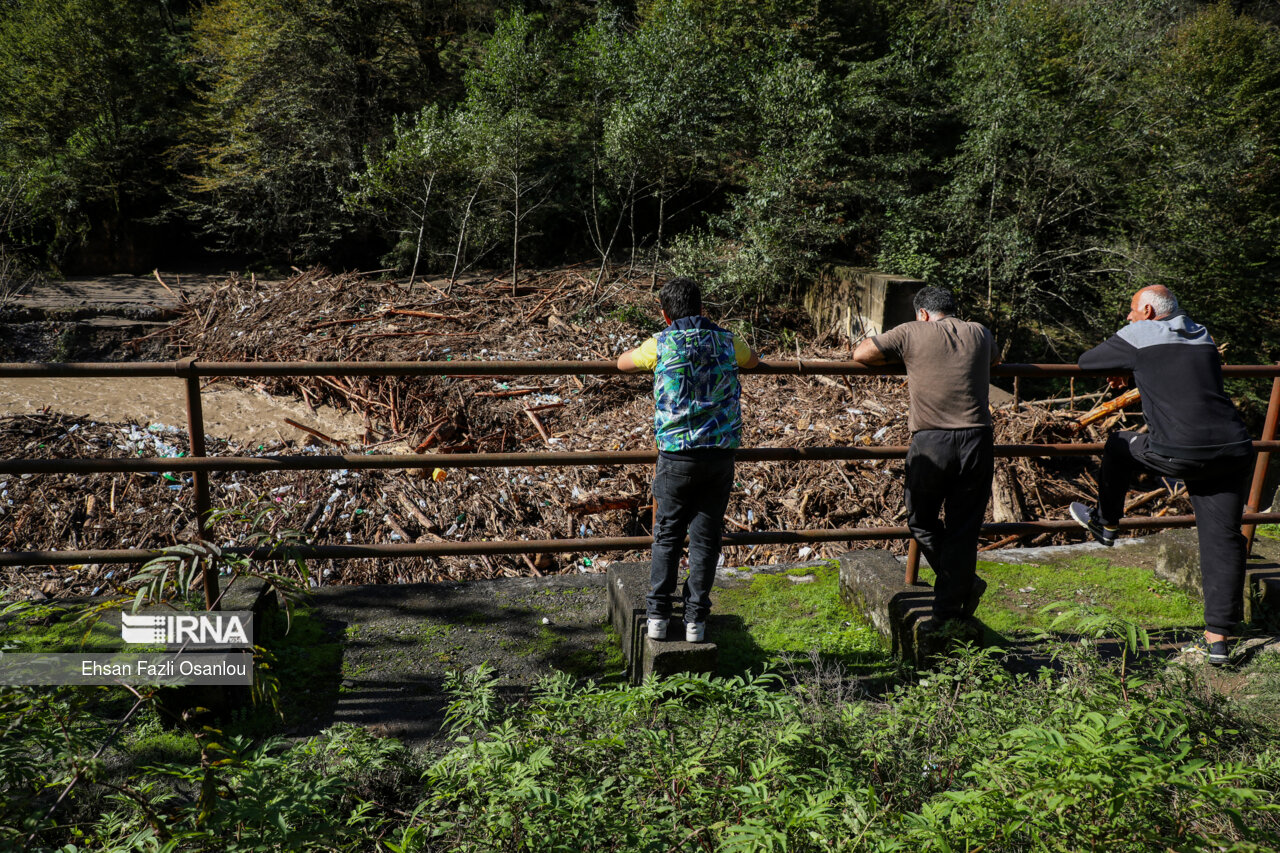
696,388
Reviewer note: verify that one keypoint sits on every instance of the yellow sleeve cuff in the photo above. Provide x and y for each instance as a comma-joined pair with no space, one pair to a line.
646,355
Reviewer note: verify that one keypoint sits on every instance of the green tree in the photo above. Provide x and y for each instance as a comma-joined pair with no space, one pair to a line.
289,95
1024,217
743,106
89,91
1205,193
604,193
407,186
788,204
902,130
509,111
676,86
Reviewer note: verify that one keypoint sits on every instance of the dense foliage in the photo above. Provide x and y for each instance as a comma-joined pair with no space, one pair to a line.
1044,157
968,757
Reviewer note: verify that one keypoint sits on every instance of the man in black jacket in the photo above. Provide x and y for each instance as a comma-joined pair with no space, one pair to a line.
1194,434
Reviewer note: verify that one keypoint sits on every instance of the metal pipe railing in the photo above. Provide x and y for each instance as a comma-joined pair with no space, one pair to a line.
1264,461
318,462
199,464
799,367
199,478
556,546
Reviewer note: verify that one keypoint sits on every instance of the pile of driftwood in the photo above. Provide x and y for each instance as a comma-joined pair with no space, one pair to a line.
321,317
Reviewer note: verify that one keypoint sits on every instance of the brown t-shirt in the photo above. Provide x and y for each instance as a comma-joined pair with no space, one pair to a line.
948,371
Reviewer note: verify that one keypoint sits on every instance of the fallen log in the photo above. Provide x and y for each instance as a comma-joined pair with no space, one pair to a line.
1099,412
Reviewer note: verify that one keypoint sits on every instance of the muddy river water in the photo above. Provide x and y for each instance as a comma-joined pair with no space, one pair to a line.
244,416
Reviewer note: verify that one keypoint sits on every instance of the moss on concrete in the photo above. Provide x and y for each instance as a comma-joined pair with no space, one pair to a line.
602,662
306,663
56,628
791,613
1017,595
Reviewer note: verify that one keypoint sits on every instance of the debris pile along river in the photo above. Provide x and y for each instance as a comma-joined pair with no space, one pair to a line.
557,315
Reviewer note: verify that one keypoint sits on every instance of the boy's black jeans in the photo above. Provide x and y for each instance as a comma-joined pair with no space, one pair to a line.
690,493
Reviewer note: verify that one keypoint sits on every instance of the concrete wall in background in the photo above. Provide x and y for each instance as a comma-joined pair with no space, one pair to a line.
860,302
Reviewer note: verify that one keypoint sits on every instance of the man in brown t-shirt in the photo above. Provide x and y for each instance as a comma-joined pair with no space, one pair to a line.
949,463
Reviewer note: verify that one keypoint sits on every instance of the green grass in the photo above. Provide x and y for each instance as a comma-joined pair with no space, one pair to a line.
1271,531
48,628
309,666
1017,593
151,743
602,662
774,616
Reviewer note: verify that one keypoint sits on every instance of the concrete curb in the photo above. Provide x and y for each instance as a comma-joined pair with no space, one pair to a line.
628,584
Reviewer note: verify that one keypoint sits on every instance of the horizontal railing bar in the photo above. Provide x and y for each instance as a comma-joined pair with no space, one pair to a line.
151,464
31,370
556,546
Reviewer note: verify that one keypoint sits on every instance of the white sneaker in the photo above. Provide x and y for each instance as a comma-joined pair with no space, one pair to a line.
695,632
657,629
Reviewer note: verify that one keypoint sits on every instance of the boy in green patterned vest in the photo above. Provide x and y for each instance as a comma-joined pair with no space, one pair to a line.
698,425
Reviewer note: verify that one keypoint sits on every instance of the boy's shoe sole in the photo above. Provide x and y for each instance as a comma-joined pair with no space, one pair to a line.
695,632
1082,514
657,629
1215,653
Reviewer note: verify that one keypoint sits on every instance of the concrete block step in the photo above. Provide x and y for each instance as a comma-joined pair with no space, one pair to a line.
628,583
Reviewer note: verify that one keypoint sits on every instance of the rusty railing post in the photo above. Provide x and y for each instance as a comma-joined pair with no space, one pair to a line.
1264,461
199,479
913,562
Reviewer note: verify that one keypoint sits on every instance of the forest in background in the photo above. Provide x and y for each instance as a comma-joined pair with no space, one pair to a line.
1042,157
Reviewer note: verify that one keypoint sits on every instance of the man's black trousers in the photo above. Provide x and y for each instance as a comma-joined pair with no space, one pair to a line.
948,485
690,494
1217,488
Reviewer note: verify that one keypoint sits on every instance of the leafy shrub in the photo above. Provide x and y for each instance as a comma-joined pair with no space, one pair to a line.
969,756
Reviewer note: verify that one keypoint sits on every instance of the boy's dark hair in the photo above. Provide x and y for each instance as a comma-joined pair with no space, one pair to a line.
935,300
681,297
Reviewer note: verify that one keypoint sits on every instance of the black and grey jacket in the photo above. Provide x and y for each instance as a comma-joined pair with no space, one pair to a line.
1176,366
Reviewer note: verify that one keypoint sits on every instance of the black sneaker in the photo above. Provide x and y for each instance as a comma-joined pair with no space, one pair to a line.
1087,518
1214,652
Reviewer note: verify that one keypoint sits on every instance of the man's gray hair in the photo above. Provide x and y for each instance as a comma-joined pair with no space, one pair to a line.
1161,300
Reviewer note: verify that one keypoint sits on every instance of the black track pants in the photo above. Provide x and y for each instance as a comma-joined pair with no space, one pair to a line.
1217,488
948,485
